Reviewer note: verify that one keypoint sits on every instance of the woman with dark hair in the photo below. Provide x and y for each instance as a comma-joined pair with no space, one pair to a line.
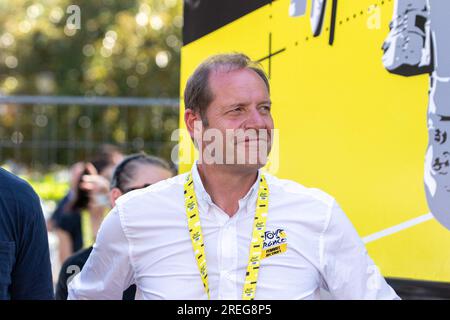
84,212
134,172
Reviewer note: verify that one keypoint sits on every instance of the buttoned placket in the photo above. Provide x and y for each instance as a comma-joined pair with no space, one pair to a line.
227,249
227,253
227,246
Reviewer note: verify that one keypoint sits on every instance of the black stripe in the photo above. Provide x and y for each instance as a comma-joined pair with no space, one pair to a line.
333,22
265,58
204,16
409,289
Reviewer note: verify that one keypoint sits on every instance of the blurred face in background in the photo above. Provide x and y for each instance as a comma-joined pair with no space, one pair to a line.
143,176
108,171
75,174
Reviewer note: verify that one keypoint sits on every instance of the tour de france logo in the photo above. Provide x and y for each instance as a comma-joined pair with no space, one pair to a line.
275,242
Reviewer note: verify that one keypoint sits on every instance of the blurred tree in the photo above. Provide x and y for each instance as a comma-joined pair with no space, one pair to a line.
121,48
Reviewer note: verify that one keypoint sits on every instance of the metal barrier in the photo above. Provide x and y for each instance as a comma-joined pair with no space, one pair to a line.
41,131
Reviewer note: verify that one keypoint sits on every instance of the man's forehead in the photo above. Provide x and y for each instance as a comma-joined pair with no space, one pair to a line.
228,80
233,75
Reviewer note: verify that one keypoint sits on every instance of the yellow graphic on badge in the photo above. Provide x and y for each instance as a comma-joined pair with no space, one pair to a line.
275,242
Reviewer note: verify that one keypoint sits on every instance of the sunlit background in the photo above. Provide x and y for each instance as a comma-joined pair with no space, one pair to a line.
119,49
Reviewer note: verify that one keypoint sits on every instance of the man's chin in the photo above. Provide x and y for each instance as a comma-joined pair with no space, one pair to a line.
247,164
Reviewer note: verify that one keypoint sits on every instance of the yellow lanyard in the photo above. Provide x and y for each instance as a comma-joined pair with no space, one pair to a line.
259,227
86,229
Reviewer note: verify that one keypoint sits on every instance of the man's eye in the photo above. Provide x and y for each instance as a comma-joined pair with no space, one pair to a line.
237,109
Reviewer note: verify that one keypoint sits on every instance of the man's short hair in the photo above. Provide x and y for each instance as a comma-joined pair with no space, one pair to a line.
198,95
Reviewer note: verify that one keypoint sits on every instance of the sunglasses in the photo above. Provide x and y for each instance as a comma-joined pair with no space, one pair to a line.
136,188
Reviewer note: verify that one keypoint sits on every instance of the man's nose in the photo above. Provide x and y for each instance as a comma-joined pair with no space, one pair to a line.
255,120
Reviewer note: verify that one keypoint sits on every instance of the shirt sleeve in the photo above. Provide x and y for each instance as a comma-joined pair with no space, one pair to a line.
348,271
108,271
32,275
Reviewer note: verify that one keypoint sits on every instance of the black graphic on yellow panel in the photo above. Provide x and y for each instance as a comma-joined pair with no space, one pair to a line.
346,125
418,43
204,16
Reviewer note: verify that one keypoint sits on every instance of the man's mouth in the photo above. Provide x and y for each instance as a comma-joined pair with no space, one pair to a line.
248,140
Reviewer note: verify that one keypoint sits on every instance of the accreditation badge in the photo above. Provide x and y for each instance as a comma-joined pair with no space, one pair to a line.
275,242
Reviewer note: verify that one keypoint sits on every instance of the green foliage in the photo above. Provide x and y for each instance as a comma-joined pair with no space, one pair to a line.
115,52
48,187
122,48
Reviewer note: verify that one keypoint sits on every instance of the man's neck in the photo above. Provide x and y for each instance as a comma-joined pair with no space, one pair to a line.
226,185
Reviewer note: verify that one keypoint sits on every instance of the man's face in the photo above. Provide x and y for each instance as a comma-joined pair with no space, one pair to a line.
240,110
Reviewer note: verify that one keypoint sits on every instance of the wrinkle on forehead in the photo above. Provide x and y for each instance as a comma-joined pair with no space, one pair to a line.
236,80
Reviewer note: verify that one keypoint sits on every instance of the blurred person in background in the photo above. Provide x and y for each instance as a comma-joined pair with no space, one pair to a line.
106,151
134,172
25,271
87,202
75,174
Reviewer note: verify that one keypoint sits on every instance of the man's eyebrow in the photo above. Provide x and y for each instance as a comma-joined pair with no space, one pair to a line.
243,104
269,102
237,104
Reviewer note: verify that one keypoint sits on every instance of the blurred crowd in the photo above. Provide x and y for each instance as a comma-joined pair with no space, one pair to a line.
95,185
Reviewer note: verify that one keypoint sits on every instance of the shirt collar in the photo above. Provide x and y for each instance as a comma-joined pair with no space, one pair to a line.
201,192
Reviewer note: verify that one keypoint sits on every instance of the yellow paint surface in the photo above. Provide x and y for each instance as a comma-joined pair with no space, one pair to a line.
346,125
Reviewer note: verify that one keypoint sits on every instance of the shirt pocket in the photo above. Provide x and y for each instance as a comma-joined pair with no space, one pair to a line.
7,253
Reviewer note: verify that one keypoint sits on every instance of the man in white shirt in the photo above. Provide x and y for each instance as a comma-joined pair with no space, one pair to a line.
227,230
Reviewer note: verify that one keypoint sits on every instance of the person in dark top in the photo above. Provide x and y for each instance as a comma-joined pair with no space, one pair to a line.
59,211
72,266
134,172
73,234
25,270
75,173
85,209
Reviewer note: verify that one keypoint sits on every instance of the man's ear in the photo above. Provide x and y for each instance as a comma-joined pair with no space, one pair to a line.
193,122
113,195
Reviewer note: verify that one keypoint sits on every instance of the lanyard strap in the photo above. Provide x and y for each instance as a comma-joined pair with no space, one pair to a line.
87,232
86,229
259,227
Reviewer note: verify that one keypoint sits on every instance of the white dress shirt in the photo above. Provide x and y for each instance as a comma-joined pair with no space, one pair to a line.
145,240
